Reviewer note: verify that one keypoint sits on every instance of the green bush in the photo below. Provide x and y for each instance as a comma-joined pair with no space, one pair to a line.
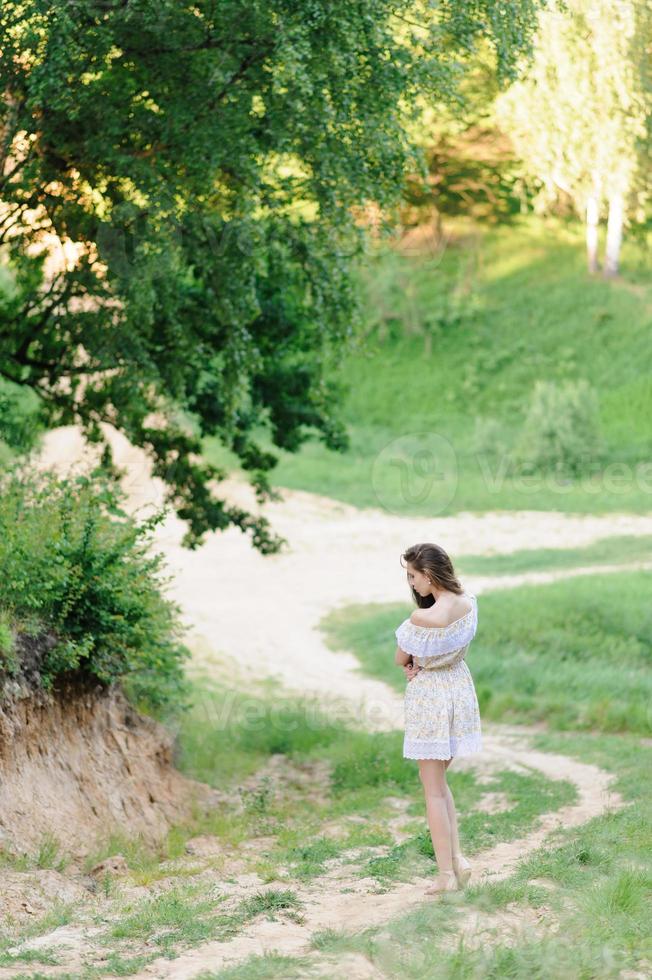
561,432
7,642
489,437
20,418
75,564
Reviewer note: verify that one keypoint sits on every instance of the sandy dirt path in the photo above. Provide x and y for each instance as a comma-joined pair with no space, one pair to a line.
344,899
258,616
362,906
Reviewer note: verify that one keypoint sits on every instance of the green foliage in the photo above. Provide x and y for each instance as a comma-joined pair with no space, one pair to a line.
362,762
474,173
617,549
19,416
207,160
580,116
561,432
472,167
7,642
530,312
76,564
490,437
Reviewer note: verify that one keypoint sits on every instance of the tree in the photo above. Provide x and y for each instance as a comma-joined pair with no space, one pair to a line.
196,168
580,117
472,166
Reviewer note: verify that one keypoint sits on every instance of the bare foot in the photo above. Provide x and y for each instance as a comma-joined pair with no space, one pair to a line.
445,882
462,869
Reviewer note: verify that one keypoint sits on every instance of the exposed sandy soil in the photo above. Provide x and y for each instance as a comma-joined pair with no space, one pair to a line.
252,617
78,763
343,898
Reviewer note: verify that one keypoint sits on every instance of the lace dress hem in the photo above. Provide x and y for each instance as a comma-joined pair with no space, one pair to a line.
442,748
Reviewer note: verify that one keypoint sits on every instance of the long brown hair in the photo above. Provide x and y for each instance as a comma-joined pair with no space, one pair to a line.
434,562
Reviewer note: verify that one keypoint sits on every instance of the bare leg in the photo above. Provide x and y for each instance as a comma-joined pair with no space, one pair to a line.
460,863
432,773
452,819
452,815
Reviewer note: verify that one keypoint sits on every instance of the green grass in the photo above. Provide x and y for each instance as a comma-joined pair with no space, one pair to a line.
574,653
529,310
49,957
527,798
365,770
614,550
267,966
186,916
602,886
594,881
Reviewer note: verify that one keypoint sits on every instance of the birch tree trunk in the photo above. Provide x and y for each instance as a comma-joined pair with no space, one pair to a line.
614,235
592,233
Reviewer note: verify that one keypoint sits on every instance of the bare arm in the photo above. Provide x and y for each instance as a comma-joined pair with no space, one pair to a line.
402,658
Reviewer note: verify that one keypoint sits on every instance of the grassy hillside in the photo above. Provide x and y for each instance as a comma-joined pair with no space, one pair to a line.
455,343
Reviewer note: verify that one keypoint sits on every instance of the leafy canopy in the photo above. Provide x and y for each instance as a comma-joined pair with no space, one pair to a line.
177,210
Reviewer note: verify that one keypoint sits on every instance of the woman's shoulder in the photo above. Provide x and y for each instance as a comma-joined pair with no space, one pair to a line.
446,611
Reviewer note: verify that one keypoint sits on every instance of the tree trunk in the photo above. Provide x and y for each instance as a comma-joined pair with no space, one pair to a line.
614,235
592,217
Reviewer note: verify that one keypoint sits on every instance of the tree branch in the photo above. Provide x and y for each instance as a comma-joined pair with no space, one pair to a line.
42,320
246,63
6,178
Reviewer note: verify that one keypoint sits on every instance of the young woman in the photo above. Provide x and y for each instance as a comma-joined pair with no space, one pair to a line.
442,715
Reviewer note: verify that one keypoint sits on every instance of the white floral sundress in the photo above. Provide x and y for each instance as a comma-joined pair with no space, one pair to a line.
442,715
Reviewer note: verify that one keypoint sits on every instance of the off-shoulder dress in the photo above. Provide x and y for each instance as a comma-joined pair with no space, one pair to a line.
442,715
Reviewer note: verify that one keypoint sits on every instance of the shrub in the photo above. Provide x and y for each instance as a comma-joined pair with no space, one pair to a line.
489,437
561,432
74,562
7,642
